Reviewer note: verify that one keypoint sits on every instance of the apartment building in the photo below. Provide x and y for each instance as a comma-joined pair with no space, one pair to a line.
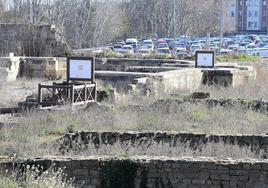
251,15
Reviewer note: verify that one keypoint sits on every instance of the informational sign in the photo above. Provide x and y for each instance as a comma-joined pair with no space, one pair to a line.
204,59
80,68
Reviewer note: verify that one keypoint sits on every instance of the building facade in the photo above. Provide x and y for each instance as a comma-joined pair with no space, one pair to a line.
251,15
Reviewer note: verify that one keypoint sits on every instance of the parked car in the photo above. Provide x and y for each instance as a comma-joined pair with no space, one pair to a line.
134,43
195,47
117,47
233,47
163,51
149,44
181,52
127,49
226,52
121,42
144,52
262,52
163,45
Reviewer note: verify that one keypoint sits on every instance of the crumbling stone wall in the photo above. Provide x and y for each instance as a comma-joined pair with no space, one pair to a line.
144,172
29,40
78,141
34,67
9,69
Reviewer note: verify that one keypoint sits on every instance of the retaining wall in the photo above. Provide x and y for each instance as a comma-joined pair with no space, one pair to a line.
144,172
77,141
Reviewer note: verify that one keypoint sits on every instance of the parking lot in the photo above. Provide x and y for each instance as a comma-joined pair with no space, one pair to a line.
185,46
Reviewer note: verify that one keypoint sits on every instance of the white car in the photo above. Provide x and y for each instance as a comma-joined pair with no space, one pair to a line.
181,52
178,50
128,49
132,42
144,52
149,44
233,47
195,47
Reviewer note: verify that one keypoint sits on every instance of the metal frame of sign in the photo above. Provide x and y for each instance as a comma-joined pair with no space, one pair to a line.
92,59
204,52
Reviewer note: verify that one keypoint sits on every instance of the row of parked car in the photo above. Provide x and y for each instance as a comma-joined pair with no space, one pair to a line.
184,46
149,46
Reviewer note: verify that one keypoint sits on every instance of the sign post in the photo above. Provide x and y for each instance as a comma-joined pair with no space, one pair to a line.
80,69
204,59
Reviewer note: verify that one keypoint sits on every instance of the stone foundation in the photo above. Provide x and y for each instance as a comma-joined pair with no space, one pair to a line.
81,140
144,172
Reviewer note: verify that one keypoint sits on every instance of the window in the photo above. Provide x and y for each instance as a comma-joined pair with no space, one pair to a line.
255,24
264,2
249,13
256,13
241,2
232,14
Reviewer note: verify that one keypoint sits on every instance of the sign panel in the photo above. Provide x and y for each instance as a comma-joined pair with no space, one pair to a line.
205,59
80,68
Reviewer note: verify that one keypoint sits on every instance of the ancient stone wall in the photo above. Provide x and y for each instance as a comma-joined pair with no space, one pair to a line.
81,140
34,67
29,40
9,69
144,172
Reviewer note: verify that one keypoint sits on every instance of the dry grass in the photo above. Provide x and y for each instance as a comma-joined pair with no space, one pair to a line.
13,92
255,89
32,137
181,118
34,178
126,150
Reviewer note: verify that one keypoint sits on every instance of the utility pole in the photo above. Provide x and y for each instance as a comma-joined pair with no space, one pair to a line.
266,18
174,19
221,23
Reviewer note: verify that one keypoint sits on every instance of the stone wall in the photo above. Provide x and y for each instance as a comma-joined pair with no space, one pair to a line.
9,69
34,67
120,64
48,67
29,40
78,141
144,172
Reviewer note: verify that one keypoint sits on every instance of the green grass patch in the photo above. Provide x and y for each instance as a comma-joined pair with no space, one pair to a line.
237,58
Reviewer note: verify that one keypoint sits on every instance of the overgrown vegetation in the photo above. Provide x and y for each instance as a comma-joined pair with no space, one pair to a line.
237,58
149,148
34,135
111,54
33,177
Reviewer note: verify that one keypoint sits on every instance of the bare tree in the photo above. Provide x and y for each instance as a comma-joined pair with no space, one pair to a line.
86,23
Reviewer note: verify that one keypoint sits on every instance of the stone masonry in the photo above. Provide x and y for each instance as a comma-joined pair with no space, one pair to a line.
142,172
83,139
29,40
